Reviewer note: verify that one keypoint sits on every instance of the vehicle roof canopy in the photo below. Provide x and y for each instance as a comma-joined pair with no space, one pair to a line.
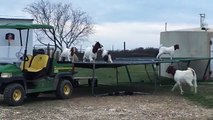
25,26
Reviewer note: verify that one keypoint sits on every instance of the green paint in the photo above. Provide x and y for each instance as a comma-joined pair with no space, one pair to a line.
25,26
43,85
10,68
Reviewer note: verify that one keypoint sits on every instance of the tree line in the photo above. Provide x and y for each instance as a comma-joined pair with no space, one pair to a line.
134,53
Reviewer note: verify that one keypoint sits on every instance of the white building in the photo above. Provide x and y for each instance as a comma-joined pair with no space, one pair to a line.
194,43
8,49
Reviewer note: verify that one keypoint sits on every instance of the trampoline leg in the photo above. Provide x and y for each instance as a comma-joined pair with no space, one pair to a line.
148,73
93,79
206,69
159,74
157,77
178,65
188,63
127,70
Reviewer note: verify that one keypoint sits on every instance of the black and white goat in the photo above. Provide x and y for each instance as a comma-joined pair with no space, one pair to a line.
91,52
74,57
69,55
183,76
167,50
106,56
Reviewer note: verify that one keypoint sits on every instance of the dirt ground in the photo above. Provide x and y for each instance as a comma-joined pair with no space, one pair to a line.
87,107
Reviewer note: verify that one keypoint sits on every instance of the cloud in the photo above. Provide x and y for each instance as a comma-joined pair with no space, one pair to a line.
14,9
137,22
148,11
135,34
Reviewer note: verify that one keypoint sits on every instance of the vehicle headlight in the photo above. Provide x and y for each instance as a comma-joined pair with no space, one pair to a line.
6,75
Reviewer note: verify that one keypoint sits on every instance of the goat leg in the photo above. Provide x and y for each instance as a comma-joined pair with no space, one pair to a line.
195,85
181,90
171,56
109,59
90,59
195,89
158,55
174,87
68,58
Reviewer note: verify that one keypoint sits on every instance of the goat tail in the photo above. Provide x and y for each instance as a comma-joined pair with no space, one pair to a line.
194,79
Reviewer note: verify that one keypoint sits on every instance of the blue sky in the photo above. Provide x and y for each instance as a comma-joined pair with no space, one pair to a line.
137,22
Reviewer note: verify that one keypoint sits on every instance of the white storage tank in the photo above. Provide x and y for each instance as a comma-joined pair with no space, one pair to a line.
194,43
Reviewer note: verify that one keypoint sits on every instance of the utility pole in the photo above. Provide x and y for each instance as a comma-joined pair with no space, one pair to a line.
124,46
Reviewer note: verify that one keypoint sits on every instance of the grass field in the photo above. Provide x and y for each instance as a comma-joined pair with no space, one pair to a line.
141,82
108,75
204,96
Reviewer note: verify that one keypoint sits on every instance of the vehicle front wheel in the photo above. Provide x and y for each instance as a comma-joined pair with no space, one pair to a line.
14,94
64,89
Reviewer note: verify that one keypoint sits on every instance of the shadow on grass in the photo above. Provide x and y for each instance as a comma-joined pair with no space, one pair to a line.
102,89
204,97
200,99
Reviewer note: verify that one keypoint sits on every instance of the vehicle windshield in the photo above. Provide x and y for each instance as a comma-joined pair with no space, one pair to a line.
10,54
12,50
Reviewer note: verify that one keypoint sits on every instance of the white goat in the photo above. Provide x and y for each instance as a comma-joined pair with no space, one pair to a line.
106,56
69,55
183,76
65,55
91,53
167,50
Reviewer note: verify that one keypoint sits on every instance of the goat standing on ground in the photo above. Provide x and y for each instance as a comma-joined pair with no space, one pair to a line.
183,76
91,53
167,50
106,56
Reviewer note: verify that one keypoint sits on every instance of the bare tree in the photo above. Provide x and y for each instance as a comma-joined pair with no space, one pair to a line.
71,26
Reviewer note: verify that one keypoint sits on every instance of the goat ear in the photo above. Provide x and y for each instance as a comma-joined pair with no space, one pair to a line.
168,69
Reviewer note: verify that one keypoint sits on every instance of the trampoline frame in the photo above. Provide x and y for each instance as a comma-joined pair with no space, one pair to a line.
145,62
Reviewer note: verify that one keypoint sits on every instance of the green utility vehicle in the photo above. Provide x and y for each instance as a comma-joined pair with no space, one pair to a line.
34,74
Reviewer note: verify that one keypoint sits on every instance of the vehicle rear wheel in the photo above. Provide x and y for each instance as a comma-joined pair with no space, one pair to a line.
14,94
64,89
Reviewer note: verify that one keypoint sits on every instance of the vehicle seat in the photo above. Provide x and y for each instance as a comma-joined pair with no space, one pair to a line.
27,63
38,68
